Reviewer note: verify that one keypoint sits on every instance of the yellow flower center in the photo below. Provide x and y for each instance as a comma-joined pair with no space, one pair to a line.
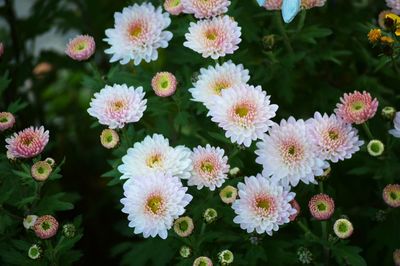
155,204
154,160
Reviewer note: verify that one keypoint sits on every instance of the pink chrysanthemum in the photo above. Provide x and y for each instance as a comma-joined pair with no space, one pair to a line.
205,9
335,139
118,105
210,167
174,7
27,143
356,107
391,195
307,4
7,121
138,33
46,226
244,112
213,80
321,206
295,205
394,5
164,84
81,47
288,154
262,205
153,202
273,4
214,38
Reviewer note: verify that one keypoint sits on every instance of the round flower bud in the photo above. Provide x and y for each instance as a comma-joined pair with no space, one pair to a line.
202,261
81,48
234,171
185,251
210,215
380,215
225,257
69,230
41,170
109,138
50,161
42,69
343,228
375,147
29,221
228,194
183,226
34,252
174,7
295,205
304,255
388,113
46,226
391,195
374,35
164,84
396,257
321,206
269,41
7,121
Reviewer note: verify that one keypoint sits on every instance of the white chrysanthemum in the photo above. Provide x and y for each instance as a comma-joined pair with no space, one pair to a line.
205,9
210,167
244,112
153,203
213,80
288,154
396,130
262,205
214,38
154,154
335,139
137,34
118,105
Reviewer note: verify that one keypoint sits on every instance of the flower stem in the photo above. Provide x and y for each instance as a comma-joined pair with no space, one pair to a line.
306,230
325,237
282,30
367,130
303,15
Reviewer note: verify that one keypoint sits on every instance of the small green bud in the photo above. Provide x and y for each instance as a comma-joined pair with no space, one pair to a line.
185,251
225,257
69,230
34,252
375,147
210,215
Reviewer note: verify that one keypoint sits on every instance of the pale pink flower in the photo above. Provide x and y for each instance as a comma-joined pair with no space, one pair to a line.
394,5
295,205
210,167
81,47
27,143
356,107
205,9
335,140
391,195
214,38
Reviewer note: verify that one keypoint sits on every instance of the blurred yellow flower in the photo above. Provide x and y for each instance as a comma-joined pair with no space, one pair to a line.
374,35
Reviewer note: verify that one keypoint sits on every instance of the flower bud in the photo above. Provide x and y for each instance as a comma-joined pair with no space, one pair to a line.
343,228
210,215
202,261
69,230
183,226
185,251
7,121
396,257
34,252
29,221
45,227
295,205
374,35
388,113
321,206
269,41
228,194
225,257
234,171
304,255
375,147
41,170
109,138
391,195
50,161
325,175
